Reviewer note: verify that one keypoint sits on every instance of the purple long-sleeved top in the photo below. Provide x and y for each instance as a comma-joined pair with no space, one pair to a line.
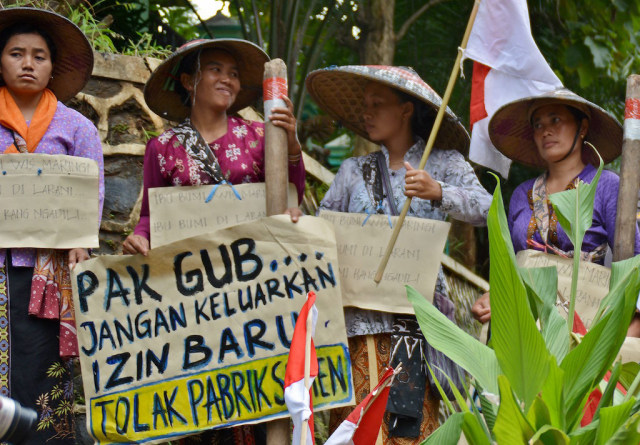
240,153
69,133
604,214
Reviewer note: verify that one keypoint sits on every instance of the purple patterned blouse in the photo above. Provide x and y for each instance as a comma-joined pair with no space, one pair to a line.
70,133
240,153
604,214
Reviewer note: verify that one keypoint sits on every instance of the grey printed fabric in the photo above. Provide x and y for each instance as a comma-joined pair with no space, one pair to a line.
463,198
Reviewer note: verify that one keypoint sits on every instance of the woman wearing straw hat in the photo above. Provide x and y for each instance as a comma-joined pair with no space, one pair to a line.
394,107
45,59
550,131
202,85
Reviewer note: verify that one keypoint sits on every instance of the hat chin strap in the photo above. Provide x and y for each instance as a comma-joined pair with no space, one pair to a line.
573,146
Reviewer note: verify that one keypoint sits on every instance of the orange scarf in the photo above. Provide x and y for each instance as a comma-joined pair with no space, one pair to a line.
11,117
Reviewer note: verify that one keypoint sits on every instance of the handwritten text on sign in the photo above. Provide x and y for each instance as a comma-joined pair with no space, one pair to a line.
181,212
196,334
593,283
415,259
48,201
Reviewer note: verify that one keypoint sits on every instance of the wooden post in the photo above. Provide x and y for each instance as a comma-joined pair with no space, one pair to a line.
276,166
624,242
276,174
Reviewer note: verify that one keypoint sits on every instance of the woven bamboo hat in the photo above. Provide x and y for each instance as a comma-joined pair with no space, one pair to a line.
160,92
511,132
74,59
340,92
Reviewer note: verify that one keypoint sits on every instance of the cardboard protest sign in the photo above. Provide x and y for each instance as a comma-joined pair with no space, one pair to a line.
196,335
415,259
48,201
181,212
593,284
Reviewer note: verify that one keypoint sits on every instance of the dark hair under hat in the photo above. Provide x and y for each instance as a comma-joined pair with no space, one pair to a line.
162,92
73,54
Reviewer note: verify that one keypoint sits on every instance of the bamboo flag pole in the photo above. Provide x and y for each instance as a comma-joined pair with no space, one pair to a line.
276,179
307,372
624,242
430,142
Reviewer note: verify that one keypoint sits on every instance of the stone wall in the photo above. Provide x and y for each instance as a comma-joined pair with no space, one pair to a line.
113,100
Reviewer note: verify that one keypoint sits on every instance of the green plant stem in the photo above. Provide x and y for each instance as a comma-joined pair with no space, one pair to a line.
574,284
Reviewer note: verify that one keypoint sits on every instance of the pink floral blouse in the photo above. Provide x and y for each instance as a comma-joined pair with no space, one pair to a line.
240,153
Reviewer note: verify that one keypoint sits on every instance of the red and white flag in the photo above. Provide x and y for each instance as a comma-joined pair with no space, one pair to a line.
296,396
508,66
363,424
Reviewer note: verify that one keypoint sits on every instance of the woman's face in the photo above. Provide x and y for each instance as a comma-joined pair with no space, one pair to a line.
217,84
25,64
554,129
384,115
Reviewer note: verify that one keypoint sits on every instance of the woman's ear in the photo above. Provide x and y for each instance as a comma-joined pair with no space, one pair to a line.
187,82
407,110
584,126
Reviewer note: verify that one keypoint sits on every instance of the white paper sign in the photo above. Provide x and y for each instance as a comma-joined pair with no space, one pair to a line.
48,201
415,259
181,212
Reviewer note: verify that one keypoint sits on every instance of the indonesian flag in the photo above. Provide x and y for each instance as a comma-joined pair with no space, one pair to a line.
508,66
363,424
296,396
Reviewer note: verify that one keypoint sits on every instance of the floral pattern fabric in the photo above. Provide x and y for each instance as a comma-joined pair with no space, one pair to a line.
239,153
463,198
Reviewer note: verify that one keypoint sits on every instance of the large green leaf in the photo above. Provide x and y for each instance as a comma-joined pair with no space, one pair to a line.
473,431
552,394
587,363
519,346
607,397
574,209
542,286
448,433
443,395
489,410
630,378
628,375
549,435
585,435
612,421
477,359
538,415
511,427
619,272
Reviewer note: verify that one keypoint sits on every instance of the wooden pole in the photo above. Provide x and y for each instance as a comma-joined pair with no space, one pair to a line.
276,176
307,372
430,142
624,242
276,166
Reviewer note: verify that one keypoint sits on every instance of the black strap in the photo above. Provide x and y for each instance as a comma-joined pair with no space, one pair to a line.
386,183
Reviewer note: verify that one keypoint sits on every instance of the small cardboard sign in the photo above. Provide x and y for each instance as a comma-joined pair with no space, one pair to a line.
181,212
48,201
415,259
593,284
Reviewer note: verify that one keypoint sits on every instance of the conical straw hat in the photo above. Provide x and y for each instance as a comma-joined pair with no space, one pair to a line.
340,92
